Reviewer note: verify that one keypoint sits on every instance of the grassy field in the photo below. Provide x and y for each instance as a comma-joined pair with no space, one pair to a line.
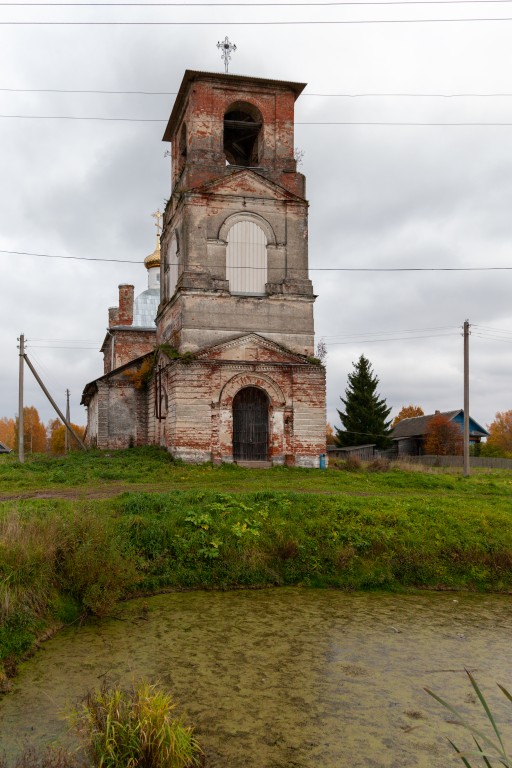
78,534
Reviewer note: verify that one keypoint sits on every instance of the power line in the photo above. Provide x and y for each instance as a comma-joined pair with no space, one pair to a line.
294,22
384,333
315,95
398,338
67,341
493,338
493,330
71,117
290,269
74,258
316,123
249,5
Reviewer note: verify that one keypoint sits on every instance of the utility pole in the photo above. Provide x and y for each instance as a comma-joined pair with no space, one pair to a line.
21,450
66,439
52,401
466,470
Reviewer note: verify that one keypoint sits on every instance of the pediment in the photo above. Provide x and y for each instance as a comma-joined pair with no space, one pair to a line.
250,348
247,183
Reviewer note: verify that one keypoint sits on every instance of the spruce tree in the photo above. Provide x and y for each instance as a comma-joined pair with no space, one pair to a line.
366,415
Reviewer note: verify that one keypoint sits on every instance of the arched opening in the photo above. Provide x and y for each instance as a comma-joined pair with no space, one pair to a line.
171,268
242,126
250,425
246,258
182,149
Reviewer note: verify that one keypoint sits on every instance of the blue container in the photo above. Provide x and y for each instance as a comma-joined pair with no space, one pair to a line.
323,463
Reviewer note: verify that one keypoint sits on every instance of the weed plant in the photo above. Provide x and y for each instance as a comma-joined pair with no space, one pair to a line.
134,729
488,750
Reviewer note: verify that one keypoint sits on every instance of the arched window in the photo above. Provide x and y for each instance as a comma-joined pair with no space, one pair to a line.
172,267
242,127
246,259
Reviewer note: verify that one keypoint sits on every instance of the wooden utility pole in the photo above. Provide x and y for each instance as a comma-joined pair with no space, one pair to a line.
466,399
52,401
21,447
66,439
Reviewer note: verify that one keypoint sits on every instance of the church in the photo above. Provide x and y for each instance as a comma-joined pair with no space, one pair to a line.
215,361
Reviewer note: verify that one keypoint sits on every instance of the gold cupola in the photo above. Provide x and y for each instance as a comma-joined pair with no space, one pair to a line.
153,260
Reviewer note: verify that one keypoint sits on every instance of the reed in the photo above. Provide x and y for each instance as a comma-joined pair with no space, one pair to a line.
489,750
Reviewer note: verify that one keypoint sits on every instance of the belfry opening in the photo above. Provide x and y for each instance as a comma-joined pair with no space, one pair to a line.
242,126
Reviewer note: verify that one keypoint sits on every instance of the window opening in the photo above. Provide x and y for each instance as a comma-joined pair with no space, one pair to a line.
241,131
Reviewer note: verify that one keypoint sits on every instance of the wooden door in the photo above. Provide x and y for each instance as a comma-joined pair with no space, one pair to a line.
250,425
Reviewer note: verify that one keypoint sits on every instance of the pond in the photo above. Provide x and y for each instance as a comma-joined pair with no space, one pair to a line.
284,677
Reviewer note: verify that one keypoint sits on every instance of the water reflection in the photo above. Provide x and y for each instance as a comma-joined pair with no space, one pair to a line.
284,677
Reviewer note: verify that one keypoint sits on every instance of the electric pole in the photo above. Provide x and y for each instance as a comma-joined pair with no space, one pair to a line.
466,470
21,447
66,439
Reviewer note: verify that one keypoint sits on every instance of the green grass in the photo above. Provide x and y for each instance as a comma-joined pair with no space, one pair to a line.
181,526
152,467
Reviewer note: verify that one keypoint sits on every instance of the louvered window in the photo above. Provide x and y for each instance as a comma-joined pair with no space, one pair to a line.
246,259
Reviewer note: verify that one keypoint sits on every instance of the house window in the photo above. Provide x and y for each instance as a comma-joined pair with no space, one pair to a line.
246,259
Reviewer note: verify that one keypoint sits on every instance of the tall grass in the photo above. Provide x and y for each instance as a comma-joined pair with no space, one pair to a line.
135,729
52,569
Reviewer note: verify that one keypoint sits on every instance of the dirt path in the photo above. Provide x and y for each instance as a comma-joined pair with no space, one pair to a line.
85,492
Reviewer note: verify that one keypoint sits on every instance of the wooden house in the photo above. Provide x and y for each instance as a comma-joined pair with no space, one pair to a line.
409,435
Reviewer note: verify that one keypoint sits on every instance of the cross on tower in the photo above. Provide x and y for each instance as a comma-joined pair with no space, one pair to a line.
227,49
158,215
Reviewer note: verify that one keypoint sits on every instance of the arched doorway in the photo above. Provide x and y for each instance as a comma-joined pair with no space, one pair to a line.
250,425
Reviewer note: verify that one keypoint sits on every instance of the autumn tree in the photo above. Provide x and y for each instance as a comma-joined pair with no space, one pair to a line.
8,432
408,412
329,435
444,437
500,433
56,437
34,431
365,419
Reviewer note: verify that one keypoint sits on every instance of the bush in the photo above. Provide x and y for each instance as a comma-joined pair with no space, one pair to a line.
91,564
352,464
124,729
378,465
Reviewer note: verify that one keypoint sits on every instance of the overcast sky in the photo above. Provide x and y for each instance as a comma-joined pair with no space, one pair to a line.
382,197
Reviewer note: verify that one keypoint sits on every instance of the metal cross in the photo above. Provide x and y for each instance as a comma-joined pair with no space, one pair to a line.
227,49
158,215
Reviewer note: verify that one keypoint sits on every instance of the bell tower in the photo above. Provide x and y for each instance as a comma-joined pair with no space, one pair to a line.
234,242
